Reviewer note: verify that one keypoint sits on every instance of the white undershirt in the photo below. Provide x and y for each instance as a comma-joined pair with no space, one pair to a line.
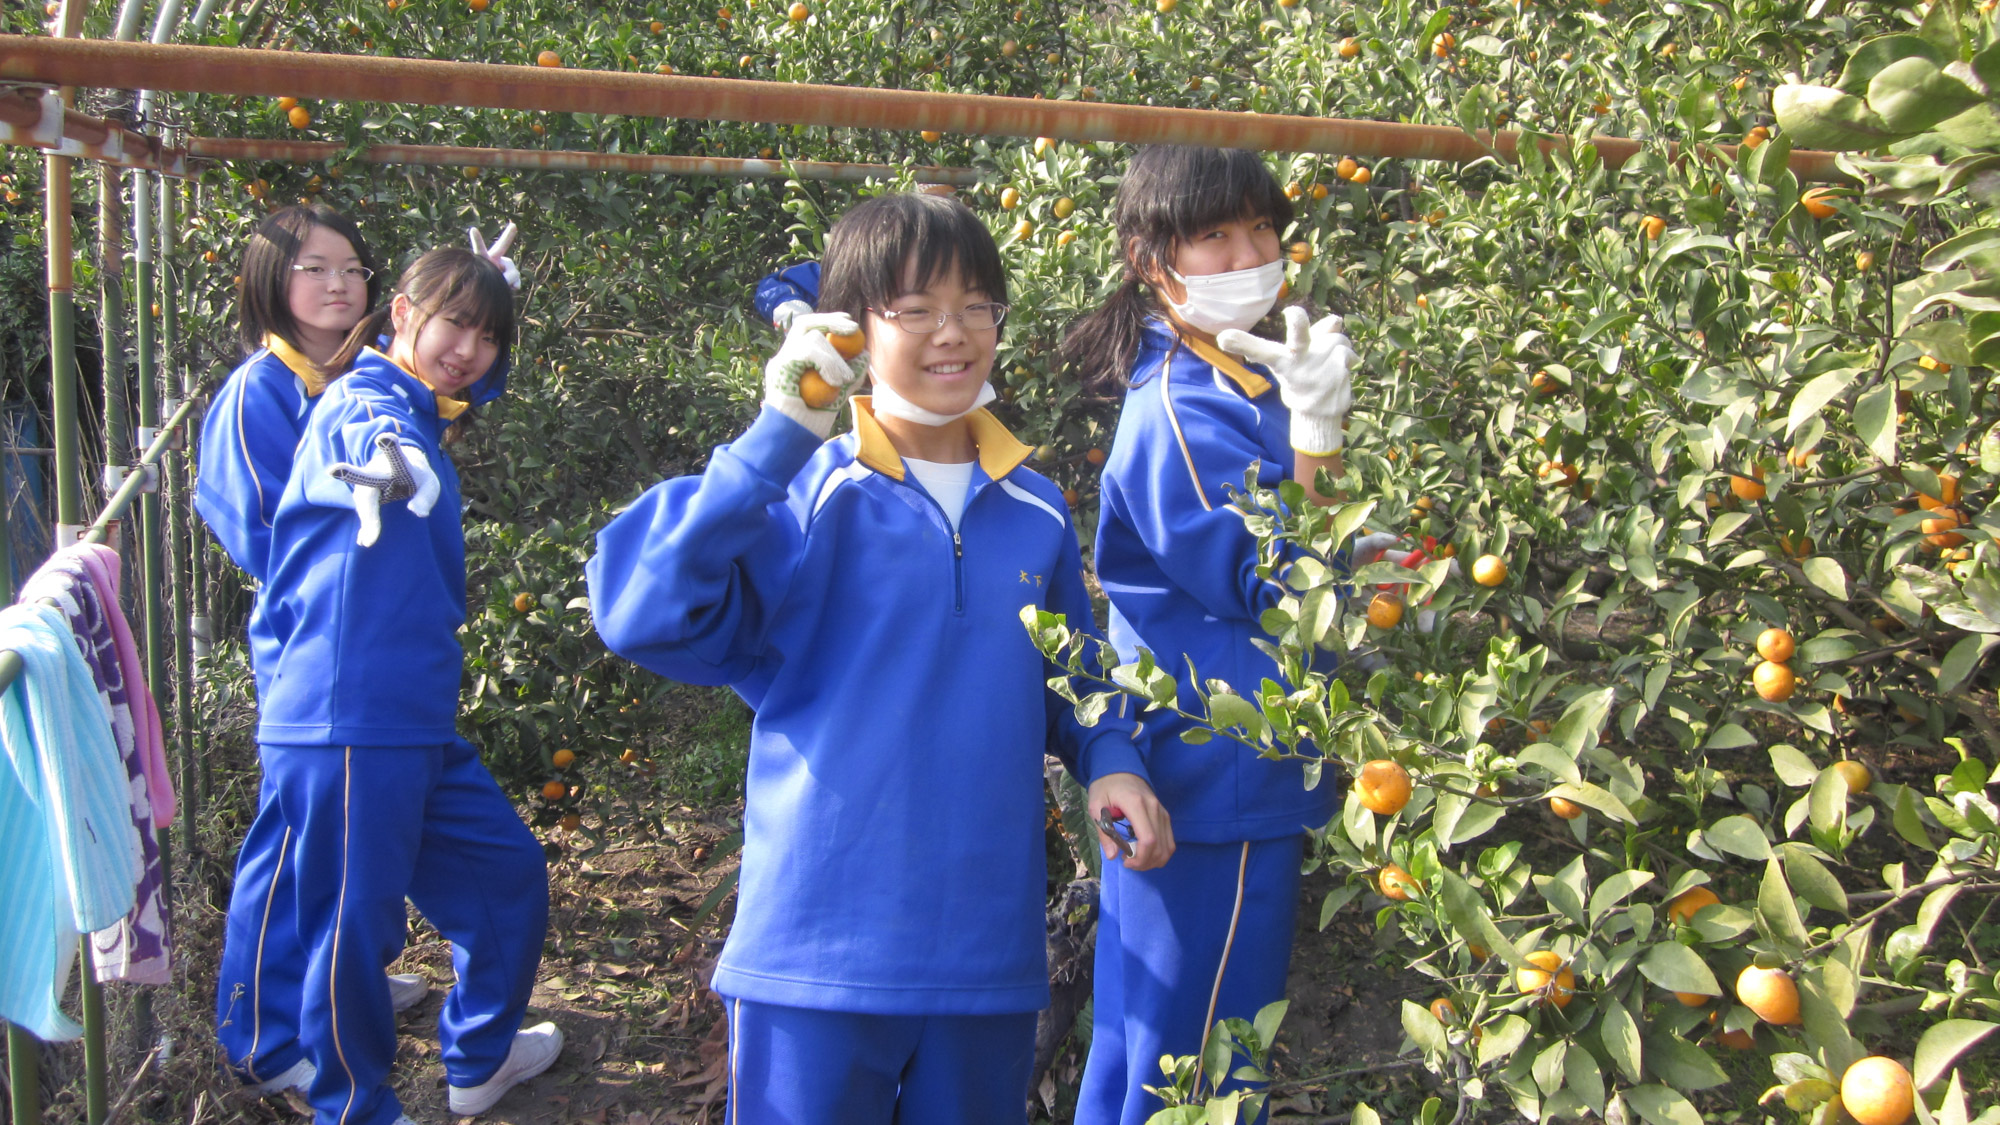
947,484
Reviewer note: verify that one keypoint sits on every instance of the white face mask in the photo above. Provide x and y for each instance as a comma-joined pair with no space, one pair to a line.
1237,299
885,401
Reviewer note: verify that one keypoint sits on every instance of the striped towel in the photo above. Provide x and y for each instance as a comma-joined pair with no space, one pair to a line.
72,852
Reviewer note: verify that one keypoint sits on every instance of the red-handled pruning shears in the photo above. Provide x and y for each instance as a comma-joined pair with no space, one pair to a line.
1115,824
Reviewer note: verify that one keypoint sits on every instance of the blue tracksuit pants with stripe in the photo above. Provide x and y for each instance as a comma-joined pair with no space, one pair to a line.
354,831
1160,940
807,1066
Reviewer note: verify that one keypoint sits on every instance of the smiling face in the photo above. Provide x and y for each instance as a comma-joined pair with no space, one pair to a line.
940,372
1237,244
325,309
445,350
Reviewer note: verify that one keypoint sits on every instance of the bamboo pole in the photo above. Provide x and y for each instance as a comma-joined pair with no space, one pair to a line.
24,1064
309,152
368,78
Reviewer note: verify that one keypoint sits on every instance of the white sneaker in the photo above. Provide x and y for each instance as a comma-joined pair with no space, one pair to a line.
298,1076
533,1051
407,990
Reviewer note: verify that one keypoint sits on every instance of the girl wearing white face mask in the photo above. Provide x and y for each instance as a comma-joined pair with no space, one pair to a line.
1208,936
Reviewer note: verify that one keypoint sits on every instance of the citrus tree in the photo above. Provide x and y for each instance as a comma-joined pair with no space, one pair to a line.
1723,434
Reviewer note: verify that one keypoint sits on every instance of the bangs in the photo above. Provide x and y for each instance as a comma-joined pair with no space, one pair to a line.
871,250
1179,191
473,292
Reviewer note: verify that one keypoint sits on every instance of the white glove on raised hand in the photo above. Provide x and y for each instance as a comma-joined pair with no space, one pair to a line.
497,252
1314,369
783,315
815,402
397,470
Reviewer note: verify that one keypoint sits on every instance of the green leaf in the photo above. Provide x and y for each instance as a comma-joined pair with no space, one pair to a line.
1677,968
1793,768
1909,822
1738,835
1961,661
1875,422
1226,711
1827,575
1423,1028
1874,55
1360,1115
1914,94
1619,1034
1823,117
1941,1045
1823,389
1503,1037
1780,913
1660,1105
1680,1063
1813,881
1268,1018
1467,914
1583,1078
1592,797
1826,1029
1615,890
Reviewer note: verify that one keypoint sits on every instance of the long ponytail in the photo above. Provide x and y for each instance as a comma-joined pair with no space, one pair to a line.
372,328
1101,346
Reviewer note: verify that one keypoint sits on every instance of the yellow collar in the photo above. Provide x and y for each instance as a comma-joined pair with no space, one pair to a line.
447,407
308,372
1000,452
1252,383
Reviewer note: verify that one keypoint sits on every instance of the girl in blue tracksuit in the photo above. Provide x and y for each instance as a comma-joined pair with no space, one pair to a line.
308,278
1208,936
374,795
864,595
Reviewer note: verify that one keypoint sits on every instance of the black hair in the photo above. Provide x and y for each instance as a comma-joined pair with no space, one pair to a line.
263,304
448,281
1170,194
869,251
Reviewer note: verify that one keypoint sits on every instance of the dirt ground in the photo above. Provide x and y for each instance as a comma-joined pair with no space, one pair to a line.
624,977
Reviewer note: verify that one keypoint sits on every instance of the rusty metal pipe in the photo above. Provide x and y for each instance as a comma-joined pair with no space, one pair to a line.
302,152
370,78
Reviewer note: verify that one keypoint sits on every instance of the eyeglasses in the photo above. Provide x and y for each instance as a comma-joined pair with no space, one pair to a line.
324,274
922,321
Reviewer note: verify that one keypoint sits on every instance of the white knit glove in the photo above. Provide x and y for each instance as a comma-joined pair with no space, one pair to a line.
497,252
396,471
806,348
783,314
1314,370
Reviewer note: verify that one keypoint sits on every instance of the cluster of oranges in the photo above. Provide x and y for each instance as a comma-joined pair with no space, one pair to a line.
1773,677
298,115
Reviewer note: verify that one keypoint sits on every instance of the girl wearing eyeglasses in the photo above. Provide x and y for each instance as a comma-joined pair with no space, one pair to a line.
864,595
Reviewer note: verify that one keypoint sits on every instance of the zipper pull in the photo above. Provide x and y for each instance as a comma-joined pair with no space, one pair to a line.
957,546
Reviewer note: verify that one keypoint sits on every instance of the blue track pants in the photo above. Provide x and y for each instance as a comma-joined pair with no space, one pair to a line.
342,837
1160,940
804,1066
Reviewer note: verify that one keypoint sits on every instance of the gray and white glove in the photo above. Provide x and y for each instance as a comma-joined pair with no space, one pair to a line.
497,252
396,471
1314,368
782,315
807,350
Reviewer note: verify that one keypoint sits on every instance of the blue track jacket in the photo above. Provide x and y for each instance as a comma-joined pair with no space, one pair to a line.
1181,573
893,852
247,442
365,639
